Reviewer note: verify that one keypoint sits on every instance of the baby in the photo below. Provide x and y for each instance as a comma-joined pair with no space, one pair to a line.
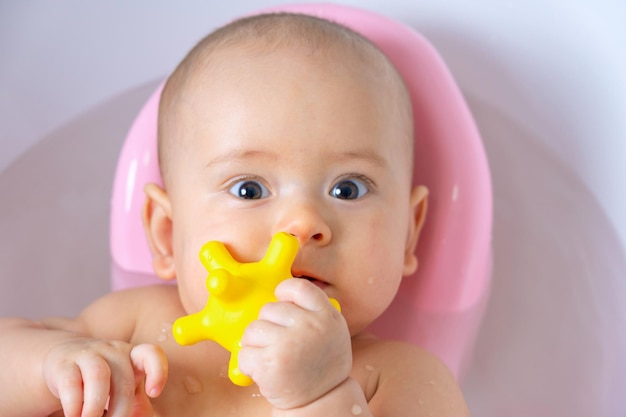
273,123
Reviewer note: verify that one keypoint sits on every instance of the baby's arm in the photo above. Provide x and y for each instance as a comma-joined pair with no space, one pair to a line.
58,364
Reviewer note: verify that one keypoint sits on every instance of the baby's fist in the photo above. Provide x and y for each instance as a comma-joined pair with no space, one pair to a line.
300,347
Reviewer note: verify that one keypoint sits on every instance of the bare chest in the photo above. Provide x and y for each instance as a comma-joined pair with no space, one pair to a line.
191,397
198,383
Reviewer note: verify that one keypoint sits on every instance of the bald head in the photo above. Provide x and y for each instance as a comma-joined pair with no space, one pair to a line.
262,35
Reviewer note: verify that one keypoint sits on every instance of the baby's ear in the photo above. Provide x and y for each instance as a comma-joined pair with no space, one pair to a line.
418,205
157,222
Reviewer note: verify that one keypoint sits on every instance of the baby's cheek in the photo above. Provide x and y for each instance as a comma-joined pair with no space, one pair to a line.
191,281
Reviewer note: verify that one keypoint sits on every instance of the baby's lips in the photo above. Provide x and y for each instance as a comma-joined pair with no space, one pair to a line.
319,284
311,278
297,273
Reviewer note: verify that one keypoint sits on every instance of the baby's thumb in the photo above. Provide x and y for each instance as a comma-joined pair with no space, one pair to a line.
150,360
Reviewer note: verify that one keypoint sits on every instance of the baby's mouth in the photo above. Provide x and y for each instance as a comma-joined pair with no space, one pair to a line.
317,282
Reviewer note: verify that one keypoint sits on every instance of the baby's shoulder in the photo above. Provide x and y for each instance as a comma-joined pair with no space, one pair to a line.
134,300
395,375
368,347
117,314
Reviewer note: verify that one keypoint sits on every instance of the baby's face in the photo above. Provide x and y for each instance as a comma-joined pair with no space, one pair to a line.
303,146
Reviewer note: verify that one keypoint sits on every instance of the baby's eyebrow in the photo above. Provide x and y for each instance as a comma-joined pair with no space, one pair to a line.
365,155
241,154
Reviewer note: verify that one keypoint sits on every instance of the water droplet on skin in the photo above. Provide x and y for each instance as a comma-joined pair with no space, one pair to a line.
224,371
357,410
369,368
192,385
166,329
256,395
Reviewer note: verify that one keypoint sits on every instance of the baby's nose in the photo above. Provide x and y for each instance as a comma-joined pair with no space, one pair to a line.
306,223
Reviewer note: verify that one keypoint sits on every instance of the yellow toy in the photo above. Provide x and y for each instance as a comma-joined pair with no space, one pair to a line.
237,292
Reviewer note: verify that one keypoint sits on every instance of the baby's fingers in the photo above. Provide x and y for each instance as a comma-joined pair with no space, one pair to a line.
150,360
123,384
96,376
67,386
302,293
82,387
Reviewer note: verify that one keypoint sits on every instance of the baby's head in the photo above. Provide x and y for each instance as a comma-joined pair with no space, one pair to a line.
289,123
283,39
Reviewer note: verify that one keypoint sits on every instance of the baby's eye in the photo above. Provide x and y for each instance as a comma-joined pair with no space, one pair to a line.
349,189
249,190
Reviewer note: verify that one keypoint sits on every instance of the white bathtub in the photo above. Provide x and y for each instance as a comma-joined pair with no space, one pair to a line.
546,84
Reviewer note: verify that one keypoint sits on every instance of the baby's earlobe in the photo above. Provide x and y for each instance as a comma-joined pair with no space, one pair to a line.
410,264
164,266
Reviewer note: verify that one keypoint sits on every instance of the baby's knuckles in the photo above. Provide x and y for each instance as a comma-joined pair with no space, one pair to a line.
71,365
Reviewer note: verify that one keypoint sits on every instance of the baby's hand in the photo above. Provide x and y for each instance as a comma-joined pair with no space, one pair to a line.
86,373
299,349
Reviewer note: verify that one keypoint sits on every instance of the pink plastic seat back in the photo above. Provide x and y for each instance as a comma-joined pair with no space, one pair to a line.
440,307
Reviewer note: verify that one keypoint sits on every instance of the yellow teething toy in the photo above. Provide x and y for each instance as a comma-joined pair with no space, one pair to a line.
237,292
